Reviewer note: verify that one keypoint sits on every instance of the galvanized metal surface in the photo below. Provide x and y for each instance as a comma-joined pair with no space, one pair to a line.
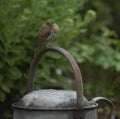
55,114
53,99
50,99
89,112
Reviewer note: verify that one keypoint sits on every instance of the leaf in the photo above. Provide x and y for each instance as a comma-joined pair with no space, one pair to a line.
5,88
117,56
1,77
7,114
2,96
90,16
14,73
54,55
10,61
1,64
117,66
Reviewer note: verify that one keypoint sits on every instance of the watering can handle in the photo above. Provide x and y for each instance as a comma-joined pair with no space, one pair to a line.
72,62
110,104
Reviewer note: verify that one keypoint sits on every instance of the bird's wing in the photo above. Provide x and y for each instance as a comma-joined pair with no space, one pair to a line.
51,36
44,33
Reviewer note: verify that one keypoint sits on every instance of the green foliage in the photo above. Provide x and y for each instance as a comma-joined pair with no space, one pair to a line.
87,30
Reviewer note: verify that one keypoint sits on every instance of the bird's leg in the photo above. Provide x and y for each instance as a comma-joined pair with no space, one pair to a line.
37,49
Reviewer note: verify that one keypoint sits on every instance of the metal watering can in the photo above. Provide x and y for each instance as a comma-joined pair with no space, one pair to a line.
57,104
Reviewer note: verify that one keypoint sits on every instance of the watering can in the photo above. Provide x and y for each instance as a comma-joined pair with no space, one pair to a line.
57,104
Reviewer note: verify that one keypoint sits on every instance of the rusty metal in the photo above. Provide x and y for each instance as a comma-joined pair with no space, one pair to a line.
74,65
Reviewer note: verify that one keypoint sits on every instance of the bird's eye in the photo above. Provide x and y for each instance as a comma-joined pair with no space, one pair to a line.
48,23
52,22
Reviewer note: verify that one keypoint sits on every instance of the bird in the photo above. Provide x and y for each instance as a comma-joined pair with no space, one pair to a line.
47,32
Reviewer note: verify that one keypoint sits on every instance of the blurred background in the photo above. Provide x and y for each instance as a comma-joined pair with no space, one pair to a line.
89,30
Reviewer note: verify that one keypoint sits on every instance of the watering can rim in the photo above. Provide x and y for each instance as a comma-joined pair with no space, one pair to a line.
16,105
